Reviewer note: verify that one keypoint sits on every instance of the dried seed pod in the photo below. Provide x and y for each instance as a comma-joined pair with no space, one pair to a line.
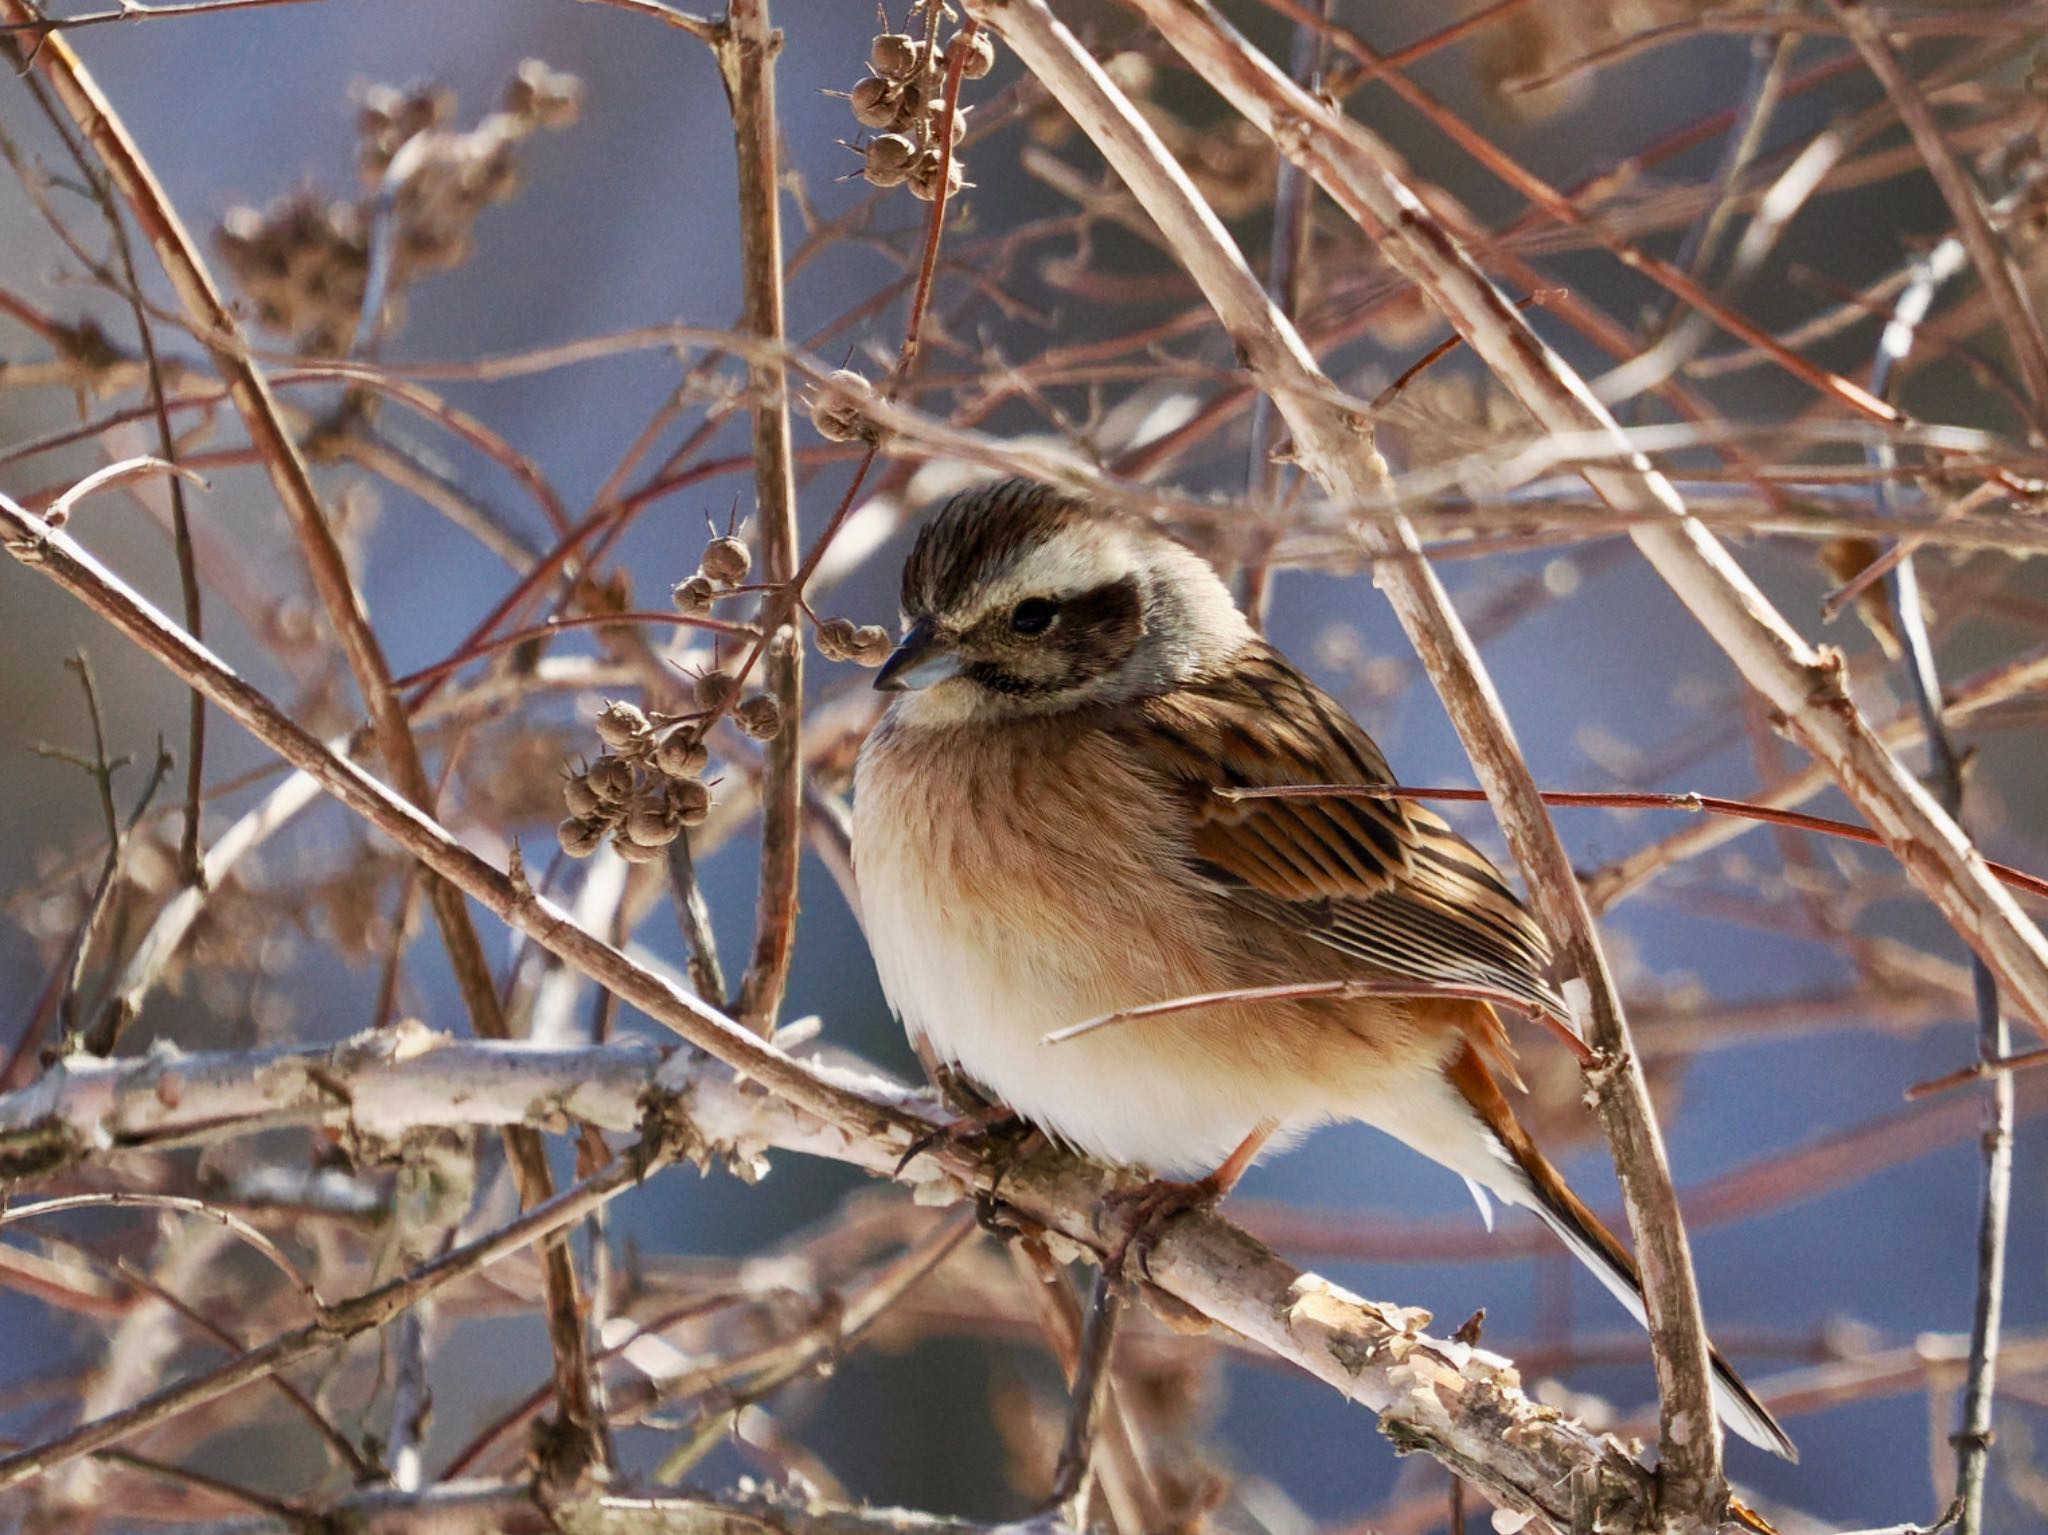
620,723
910,102
682,755
545,96
690,801
981,54
692,595
837,410
941,116
580,837
726,559
888,159
836,639
652,825
714,688
634,852
924,176
759,716
611,780
896,55
874,102
871,645
577,794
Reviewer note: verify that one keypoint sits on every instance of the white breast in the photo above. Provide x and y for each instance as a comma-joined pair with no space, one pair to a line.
994,922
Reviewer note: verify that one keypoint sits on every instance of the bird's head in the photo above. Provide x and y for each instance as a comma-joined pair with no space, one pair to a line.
1021,600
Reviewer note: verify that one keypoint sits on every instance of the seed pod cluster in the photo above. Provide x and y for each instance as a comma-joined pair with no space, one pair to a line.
902,98
841,639
302,264
641,793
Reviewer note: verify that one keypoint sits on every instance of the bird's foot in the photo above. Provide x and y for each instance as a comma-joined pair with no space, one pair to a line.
1156,1205
1141,1213
984,1133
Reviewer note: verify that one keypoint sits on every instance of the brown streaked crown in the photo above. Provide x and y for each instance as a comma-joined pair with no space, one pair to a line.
975,536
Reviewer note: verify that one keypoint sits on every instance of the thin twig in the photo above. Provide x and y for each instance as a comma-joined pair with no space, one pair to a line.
100,902
1972,1439
693,915
139,10
746,49
1995,266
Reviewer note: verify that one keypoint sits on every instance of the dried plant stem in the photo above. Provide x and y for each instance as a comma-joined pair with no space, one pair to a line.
1972,1439
746,49
693,915
217,328
1127,1482
1803,684
189,867
1333,438
1995,267
336,1324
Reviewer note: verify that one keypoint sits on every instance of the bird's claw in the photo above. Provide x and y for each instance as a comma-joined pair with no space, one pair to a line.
979,1133
1152,1207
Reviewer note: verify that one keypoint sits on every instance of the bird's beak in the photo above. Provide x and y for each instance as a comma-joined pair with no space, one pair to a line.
925,656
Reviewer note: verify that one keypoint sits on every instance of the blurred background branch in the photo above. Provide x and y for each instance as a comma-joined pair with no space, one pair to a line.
472,372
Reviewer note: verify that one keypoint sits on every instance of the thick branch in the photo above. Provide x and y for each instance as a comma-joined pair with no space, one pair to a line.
1333,437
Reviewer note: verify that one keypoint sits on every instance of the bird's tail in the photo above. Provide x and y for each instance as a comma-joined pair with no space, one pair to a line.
1544,1191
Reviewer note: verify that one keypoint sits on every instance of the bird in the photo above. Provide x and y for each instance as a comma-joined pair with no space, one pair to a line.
1050,827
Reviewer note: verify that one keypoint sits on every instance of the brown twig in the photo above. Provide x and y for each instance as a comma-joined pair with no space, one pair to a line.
189,867
745,50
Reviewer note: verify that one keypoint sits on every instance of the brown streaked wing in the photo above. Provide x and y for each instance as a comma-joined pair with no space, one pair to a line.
1384,881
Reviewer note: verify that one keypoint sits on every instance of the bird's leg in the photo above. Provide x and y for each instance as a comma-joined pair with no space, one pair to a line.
1153,1205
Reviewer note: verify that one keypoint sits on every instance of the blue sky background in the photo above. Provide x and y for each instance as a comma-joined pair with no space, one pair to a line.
628,220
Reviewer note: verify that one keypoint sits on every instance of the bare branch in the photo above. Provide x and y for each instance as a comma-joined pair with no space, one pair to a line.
1334,439
1455,1401
746,49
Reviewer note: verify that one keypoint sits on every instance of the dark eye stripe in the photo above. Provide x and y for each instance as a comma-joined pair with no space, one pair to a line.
1096,632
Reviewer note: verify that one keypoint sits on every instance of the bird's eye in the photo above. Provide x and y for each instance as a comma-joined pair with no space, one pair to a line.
1033,616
